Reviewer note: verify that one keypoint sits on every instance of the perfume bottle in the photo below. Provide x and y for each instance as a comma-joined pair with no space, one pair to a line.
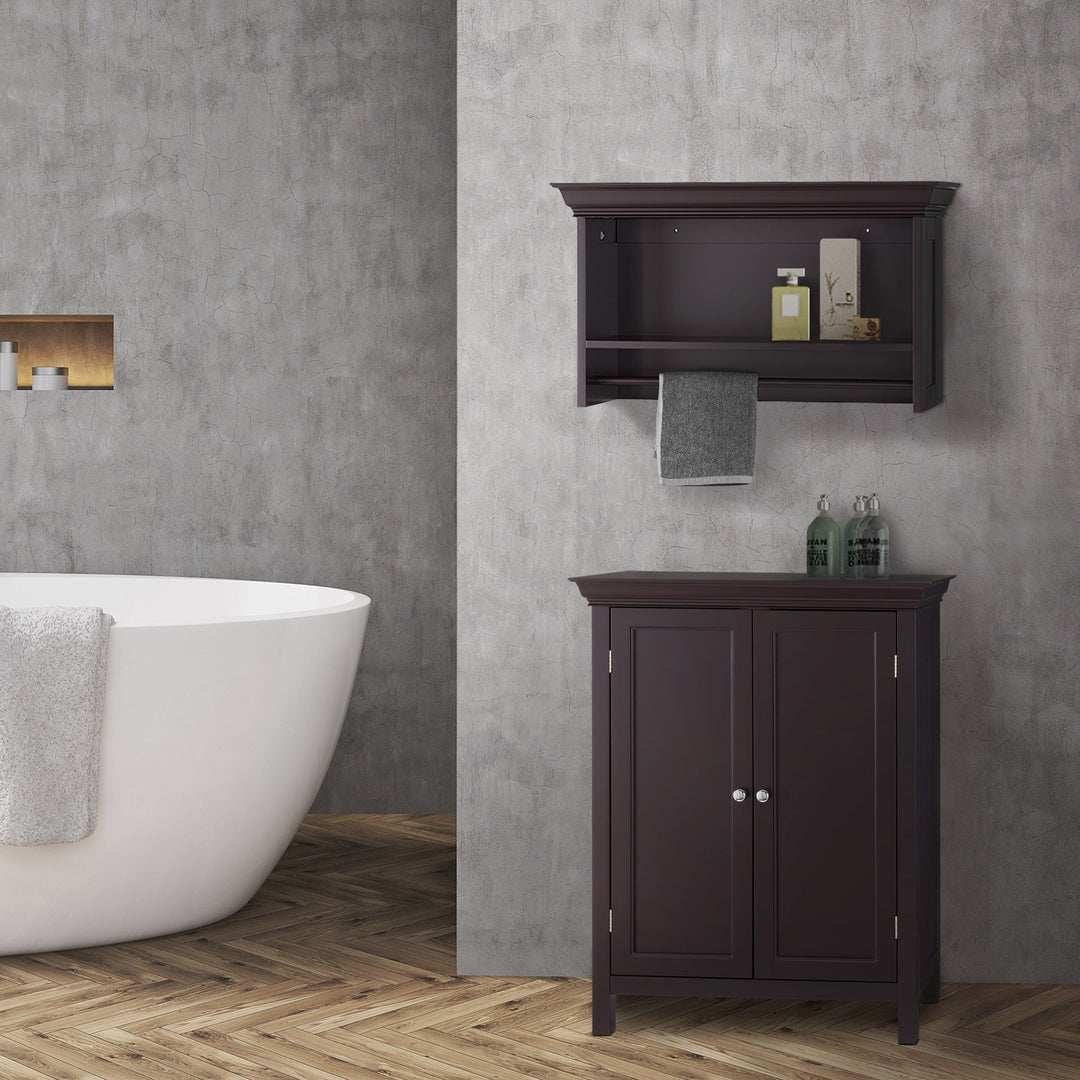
823,543
873,542
851,545
791,307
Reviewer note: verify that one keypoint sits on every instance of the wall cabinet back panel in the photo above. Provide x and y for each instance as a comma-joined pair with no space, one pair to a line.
722,287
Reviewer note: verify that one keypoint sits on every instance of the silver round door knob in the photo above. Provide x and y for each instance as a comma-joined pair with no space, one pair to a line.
762,796
738,794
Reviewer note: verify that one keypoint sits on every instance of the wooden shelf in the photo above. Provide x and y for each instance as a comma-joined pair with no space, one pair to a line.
786,370
679,277
747,345
869,390
57,318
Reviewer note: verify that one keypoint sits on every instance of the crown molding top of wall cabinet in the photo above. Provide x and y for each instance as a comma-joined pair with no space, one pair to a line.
880,198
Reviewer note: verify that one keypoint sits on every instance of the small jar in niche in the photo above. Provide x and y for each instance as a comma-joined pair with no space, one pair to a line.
50,378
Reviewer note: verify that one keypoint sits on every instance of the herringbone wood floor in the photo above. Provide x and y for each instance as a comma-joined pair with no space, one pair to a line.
343,967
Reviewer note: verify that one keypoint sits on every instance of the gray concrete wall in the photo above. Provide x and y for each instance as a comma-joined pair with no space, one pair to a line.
262,194
983,486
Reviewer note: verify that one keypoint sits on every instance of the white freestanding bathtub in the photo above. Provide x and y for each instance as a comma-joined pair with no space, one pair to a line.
223,703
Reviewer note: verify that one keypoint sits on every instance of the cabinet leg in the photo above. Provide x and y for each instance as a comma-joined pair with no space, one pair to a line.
907,1021
603,1010
932,994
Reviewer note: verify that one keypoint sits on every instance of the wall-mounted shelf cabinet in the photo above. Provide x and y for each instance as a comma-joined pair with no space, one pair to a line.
81,343
679,276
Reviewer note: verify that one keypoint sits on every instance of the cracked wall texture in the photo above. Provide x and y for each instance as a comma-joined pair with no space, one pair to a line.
983,486
262,195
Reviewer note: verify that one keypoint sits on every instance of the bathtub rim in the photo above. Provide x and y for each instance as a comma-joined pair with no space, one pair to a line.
351,600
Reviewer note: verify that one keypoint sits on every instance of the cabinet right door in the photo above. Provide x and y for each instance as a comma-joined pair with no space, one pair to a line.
825,757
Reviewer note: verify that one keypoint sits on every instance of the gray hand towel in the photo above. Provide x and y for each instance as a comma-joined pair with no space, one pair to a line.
52,696
706,426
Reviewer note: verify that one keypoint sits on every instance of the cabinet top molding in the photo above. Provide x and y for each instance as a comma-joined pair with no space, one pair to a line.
878,198
637,588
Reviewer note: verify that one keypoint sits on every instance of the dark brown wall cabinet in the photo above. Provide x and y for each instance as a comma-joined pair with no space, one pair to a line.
679,277
765,788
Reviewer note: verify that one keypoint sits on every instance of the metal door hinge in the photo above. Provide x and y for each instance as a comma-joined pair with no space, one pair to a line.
895,666
896,927
610,921
609,661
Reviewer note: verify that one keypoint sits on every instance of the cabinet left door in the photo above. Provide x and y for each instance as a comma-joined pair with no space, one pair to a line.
681,745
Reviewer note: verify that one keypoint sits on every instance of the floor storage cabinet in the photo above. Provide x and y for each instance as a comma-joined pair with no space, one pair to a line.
765,768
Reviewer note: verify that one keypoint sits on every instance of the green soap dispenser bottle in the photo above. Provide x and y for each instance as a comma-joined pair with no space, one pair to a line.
851,533
873,542
823,543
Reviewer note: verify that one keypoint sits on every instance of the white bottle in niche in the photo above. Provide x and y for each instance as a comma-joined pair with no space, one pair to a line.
9,365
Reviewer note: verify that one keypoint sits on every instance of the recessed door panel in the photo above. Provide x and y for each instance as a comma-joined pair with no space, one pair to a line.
824,752
681,744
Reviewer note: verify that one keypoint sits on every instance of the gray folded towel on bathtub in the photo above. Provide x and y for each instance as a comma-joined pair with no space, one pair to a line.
706,427
52,696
